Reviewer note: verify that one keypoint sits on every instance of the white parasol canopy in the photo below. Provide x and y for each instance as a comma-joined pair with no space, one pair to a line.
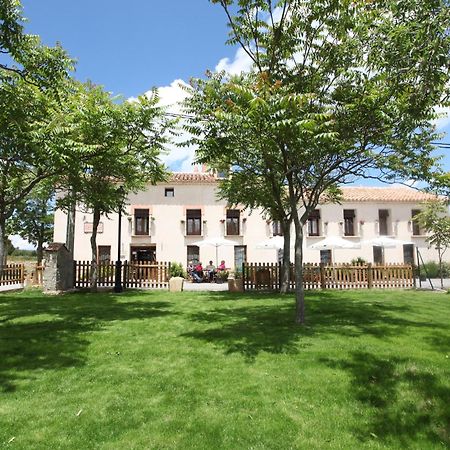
274,243
215,242
386,242
333,242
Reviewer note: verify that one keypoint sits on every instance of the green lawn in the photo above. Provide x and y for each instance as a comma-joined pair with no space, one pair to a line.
153,370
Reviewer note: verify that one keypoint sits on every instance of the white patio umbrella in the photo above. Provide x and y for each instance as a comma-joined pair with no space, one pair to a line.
215,242
275,243
332,243
386,242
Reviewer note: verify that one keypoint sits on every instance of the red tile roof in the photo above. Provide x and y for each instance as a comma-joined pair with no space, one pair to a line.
384,194
350,193
192,177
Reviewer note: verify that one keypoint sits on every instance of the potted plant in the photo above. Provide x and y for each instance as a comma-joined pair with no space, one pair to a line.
222,276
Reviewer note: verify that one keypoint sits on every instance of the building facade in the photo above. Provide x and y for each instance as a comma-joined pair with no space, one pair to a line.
164,223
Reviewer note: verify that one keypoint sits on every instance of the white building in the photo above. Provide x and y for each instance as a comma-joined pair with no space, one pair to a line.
164,221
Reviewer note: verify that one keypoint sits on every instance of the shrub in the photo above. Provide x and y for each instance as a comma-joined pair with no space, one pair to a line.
223,275
176,270
22,252
238,272
432,267
358,261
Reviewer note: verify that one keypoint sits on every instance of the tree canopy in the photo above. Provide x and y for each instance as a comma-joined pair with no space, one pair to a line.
338,90
122,142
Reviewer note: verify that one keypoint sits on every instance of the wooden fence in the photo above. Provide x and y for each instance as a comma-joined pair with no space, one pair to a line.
12,274
133,274
337,276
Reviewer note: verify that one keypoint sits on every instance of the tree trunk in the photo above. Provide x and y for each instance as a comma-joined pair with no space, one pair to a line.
40,251
440,267
286,264
70,230
3,251
299,289
94,266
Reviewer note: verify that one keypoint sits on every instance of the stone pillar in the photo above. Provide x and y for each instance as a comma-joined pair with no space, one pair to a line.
58,273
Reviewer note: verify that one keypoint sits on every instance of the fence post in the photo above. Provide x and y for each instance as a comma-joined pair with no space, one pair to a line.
369,276
243,275
322,276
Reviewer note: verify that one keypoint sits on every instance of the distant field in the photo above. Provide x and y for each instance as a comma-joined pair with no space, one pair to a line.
153,370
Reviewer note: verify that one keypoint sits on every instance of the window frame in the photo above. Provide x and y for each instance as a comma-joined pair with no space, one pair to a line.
232,224
415,225
349,222
142,215
314,222
383,218
193,222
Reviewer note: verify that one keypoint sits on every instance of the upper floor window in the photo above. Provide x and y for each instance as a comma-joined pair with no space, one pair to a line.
383,220
233,222
194,222
169,192
277,230
349,222
416,231
314,223
141,221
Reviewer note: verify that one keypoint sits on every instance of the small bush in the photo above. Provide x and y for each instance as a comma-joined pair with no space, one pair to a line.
238,272
22,252
223,275
176,270
432,267
358,261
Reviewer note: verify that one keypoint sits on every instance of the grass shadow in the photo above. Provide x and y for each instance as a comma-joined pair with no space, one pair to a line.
406,401
262,327
42,332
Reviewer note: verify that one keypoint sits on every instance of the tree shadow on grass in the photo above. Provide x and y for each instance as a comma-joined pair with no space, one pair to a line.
38,332
261,327
407,402
249,330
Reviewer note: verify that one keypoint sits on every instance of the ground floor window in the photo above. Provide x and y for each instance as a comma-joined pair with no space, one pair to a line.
104,253
240,255
147,253
408,253
378,255
325,256
193,254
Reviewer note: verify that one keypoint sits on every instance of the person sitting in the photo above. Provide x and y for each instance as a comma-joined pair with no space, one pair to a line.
190,268
211,271
221,266
197,273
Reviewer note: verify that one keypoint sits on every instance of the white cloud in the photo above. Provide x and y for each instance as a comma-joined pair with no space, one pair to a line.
181,158
23,244
241,63
171,97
